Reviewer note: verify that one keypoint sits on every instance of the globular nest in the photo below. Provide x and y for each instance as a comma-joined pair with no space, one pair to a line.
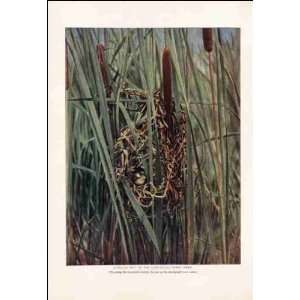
168,150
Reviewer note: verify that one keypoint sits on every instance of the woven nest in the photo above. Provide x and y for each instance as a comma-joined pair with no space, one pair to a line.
168,152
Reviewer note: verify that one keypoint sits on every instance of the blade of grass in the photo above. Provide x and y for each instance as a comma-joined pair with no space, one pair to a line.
142,217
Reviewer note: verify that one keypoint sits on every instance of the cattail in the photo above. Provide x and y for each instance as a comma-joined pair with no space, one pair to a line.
208,45
167,86
66,68
101,59
207,39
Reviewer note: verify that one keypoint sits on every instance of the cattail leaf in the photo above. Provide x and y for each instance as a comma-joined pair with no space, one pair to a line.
85,169
109,173
82,82
66,67
142,217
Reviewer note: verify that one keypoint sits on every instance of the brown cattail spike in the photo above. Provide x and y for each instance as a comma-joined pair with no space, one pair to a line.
167,87
101,59
207,39
100,52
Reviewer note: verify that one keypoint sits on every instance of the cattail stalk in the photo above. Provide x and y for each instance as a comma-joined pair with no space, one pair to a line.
167,88
208,46
103,68
213,97
66,68
207,35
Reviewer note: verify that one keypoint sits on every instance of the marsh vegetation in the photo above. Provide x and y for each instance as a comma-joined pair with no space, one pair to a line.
153,146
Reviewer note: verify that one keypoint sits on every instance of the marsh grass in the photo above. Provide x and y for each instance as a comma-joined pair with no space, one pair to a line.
204,83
